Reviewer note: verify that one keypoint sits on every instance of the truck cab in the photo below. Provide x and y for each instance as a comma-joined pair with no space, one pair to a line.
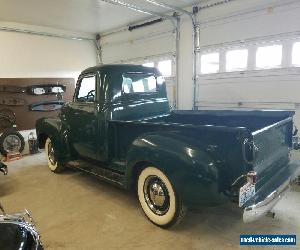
99,97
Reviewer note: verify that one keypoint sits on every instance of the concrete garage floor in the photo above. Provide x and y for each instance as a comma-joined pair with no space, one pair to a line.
76,211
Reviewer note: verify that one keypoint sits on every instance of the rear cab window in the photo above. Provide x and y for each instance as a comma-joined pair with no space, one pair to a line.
140,83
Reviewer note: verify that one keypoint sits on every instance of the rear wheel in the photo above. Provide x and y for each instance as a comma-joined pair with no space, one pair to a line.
158,198
54,165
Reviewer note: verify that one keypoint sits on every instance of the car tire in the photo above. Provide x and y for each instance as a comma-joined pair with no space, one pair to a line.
158,199
54,165
15,135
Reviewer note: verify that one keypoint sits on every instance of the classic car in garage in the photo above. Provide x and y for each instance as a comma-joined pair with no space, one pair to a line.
119,127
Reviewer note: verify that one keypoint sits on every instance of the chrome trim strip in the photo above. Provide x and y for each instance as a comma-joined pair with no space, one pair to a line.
286,120
98,175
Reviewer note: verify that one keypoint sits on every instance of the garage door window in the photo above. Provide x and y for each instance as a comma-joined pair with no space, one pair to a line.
149,64
296,54
210,63
236,60
268,56
165,67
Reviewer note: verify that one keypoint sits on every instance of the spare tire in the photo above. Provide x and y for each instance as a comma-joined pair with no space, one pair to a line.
11,141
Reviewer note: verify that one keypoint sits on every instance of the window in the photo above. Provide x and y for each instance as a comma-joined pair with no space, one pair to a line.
210,63
296,54
139,83
268,56
149,64
236,60
86,92
165,67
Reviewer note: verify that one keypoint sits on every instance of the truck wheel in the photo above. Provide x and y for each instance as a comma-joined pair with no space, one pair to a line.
158,198
54,165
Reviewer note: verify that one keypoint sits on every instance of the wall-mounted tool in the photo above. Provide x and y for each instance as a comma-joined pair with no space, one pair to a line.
11,101
46,89
46,106
12,89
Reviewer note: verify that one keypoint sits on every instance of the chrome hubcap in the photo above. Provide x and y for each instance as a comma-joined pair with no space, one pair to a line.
156,195
51,156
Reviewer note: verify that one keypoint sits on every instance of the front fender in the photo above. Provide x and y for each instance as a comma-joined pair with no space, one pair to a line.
52,128
191,170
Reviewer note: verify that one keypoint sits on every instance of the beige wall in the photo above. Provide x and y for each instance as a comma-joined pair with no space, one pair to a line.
25,55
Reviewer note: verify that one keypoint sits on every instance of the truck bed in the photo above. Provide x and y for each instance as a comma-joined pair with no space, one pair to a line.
226,132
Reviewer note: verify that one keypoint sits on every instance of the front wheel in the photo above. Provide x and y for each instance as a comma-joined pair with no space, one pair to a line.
54,165
158,198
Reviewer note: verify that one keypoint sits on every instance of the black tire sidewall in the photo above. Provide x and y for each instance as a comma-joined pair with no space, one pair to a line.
8,133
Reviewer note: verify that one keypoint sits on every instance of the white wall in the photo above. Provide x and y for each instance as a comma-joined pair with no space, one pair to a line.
125,46
25,55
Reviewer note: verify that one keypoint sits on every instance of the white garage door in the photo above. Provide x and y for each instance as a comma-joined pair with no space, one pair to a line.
254,63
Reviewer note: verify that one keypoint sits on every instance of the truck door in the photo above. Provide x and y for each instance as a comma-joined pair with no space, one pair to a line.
82,117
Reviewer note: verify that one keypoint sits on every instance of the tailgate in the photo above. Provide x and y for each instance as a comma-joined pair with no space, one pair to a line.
281,179
272,145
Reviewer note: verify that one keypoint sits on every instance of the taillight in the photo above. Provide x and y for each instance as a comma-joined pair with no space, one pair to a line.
252,177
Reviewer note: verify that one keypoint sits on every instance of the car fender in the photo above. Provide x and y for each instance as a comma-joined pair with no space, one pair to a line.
185,161
52,128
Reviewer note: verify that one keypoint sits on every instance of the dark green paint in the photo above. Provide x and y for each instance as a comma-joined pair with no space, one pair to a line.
200,151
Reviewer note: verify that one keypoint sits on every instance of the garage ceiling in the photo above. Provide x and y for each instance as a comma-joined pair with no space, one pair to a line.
90,16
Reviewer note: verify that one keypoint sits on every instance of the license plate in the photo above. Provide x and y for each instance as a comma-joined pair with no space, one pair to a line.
246,192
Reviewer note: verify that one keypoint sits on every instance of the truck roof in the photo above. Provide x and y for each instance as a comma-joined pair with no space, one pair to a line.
121,67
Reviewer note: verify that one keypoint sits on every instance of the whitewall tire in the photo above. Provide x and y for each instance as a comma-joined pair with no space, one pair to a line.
54,165
158,198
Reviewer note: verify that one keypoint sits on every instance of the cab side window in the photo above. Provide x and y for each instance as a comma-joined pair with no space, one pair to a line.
86,89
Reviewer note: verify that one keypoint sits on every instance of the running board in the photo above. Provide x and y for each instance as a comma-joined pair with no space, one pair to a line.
98,171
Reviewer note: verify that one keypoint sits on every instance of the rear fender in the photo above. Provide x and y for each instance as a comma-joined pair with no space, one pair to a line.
191,170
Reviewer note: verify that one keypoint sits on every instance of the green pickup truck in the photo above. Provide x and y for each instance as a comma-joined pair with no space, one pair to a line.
119,127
